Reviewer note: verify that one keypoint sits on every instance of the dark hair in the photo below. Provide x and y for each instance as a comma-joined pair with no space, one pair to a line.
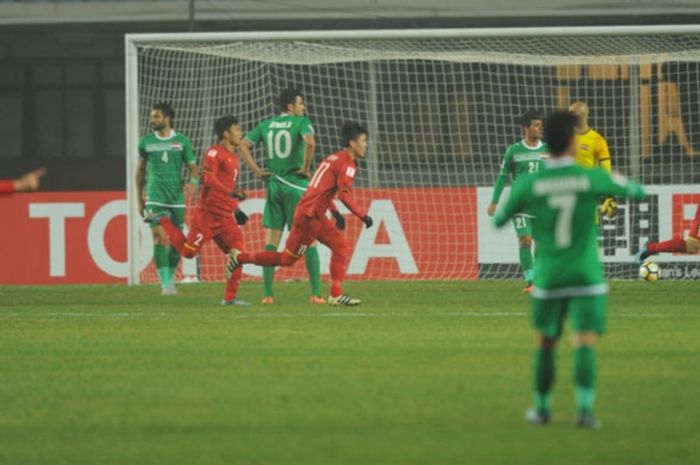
166,109
559,129
351,130
289,96
528,117
222,124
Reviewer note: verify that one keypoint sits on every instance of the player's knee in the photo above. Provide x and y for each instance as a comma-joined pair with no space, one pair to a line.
525,241
588,338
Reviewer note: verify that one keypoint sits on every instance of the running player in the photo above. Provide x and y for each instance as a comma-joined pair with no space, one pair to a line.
28,182
334,176
213,218
676,245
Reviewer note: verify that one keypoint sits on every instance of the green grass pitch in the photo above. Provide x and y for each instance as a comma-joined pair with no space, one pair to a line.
421,373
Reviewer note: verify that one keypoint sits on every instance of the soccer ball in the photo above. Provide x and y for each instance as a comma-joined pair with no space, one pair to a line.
649,271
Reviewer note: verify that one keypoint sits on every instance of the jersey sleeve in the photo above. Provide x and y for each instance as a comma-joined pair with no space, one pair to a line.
515,203
346,176
255,135
142,149
7,186
210,167
502,177
603,154
616,185
188,152
306,128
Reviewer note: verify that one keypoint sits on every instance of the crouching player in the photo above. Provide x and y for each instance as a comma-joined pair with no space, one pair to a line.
676,245
334,176
213,218
569,281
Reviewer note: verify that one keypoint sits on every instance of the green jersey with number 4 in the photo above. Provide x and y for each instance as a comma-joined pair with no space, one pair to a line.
518,160
562,197
164,159
283,139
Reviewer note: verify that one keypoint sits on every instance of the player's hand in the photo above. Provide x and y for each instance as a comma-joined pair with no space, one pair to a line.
491,209
609,207
303,174
189,190
30,181
339,220
264,175
241,217
239,194
367,220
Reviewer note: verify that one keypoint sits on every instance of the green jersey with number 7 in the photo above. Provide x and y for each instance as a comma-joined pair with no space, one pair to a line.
562,197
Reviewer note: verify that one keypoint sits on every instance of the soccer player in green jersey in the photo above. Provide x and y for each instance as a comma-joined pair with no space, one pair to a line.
522,158
569,277
289,150
161,156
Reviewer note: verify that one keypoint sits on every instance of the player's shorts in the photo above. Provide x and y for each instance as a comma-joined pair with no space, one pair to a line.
206,226
523,225
281,201
587,314
176,215
306,230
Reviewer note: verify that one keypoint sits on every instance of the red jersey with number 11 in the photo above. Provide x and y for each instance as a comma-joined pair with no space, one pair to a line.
334,175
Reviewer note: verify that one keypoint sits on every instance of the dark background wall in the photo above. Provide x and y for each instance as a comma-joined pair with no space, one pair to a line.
62,84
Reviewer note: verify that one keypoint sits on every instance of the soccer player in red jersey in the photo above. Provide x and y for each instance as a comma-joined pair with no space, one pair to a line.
334,177
676,245
213,218
25,183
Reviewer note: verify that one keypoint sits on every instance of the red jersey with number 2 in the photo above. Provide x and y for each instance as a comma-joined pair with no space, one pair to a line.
220,170
335,173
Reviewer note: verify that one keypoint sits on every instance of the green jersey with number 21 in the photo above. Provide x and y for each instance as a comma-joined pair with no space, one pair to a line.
562,197
283,139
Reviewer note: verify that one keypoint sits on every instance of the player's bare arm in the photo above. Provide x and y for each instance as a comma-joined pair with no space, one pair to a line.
309,150
244,151
194,180
140,178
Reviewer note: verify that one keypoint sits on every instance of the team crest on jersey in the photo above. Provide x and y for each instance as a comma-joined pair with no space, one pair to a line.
176,146
584,146
212,153
350,172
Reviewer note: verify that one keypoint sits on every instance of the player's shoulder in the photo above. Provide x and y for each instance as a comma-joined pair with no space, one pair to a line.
213,151
514,147
180,137
595,135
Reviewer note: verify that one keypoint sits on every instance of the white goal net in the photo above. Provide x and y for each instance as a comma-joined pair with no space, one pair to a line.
441,107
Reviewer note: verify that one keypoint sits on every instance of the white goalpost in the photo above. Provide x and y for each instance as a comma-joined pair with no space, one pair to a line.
441,107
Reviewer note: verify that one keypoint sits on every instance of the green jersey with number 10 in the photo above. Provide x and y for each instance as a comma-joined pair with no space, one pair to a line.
562,197
283,139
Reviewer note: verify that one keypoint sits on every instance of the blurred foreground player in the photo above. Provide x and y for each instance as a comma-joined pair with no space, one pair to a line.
569,279
334,176
213,218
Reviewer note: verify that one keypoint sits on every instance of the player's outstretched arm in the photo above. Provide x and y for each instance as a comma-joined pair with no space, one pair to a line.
30,181
244,150
140,177
617,185
514,204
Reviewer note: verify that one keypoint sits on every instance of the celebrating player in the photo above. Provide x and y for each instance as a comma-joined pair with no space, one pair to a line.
161,156
592,151
334,176
289,149
569,279
676,245
28,182
213,218
522,158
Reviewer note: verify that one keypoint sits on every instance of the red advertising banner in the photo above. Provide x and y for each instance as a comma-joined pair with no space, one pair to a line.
418,233
684,207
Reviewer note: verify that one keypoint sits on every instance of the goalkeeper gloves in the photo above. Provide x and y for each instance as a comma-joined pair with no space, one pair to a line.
241,217
609,207
339,220
367,220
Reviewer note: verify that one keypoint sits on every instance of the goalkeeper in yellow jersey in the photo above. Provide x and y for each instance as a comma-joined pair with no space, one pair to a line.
592,151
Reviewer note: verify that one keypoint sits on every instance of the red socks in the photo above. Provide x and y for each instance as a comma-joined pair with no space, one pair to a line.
337,274
672,246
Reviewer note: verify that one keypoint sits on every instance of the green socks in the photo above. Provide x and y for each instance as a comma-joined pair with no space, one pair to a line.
584,379
173,261
543,374
160,255
313,267
268,274
526,263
